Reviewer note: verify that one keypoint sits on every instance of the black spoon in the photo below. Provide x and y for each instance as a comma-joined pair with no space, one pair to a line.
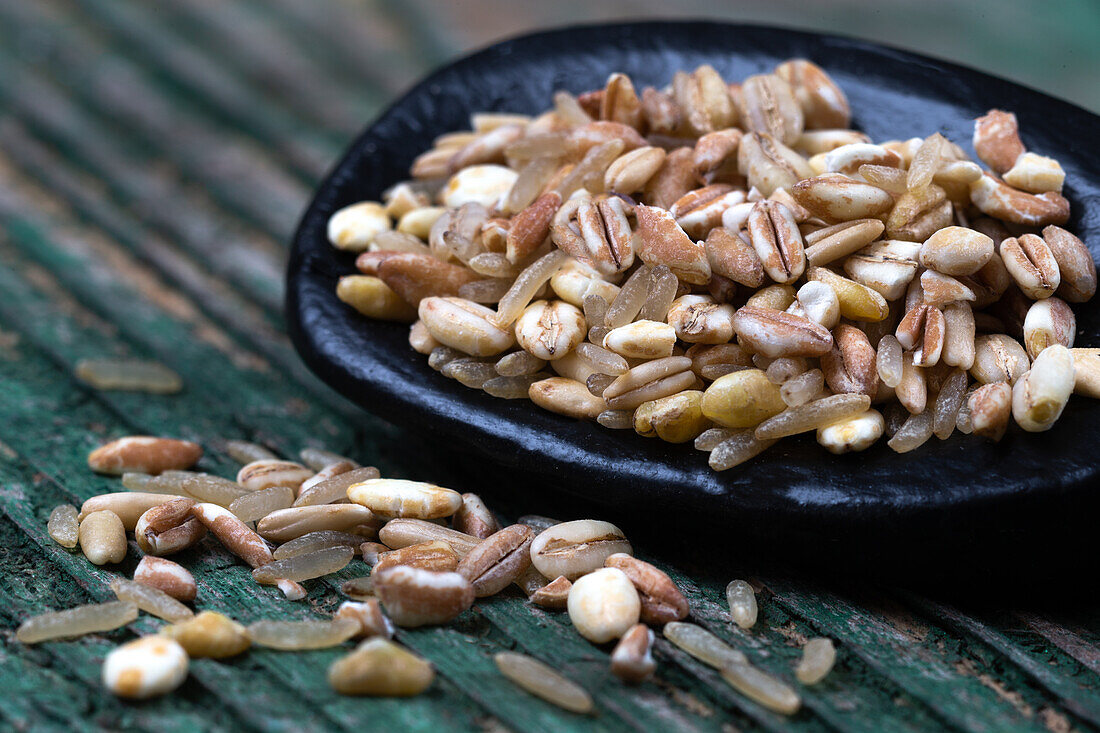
1028,492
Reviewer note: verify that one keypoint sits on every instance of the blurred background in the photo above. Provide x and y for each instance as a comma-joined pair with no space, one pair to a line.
1053,46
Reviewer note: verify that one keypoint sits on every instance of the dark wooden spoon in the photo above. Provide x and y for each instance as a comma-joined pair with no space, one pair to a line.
1028,488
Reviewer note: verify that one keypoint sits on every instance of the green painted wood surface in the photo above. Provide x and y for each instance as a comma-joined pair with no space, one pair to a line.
153,160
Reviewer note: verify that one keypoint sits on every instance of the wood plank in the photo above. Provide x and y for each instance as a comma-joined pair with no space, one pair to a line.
66,40
56,448
853,697
361,48
251,261
257,328
232,168
149,313
43,576
157,43
1075,690
1070,641
147,415
909,653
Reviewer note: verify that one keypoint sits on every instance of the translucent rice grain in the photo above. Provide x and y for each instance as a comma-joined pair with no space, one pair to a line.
945,411
818,657
512,388
470,373
298,635
742,603
784,368
589,172
539,145
493,264
894,415
717,371
305,566
597,334
543,682
889,179
63,525
335,488
602,360
801,389
244,452
703,645
441,356
653,391
628,302
762,362
532,178
737,449
461,237
315,541
77,621
925,162
812,415
597,383
889,360
527,283
518,364
616,419
569,110
201,486
486,291
962,422
662,291
151,600
709,439
258,504
392,241
761,687
129,375
146,483
913,433
595,309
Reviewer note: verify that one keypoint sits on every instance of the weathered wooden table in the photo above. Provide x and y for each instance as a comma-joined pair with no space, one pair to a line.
152,166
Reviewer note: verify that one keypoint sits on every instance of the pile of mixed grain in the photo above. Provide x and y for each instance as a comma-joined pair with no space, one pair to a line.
731,264
431,552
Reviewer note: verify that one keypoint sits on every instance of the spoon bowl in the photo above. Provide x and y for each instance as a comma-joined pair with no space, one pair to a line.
963,489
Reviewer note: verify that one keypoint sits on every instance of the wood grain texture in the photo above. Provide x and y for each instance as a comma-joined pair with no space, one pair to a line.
153,162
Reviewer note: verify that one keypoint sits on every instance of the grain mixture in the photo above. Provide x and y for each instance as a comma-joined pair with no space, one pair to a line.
429,553
730,263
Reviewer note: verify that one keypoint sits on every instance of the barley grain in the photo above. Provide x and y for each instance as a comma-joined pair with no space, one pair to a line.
145,668
166,576
209,634
102,537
